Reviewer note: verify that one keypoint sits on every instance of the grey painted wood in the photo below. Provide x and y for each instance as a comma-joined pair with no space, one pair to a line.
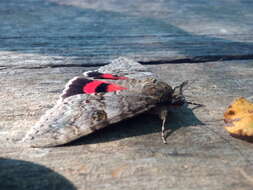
64,32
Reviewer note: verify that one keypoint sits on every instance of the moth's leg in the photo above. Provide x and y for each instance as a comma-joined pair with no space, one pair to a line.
163,115
162,112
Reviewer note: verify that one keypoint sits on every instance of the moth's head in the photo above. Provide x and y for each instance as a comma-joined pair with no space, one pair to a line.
177,96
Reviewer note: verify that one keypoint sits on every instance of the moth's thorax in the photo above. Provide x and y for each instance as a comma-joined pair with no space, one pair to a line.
158,89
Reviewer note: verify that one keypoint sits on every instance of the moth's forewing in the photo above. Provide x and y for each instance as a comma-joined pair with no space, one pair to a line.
83,114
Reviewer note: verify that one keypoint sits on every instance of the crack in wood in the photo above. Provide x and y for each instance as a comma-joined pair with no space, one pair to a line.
201,59
196,59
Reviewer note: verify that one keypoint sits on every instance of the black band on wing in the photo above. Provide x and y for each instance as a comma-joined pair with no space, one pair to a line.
81,85
94,74
102,87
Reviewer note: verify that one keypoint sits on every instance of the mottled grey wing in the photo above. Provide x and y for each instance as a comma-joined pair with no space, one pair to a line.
127,67
83,114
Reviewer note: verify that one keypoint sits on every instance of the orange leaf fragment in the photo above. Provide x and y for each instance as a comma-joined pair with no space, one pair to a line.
239,119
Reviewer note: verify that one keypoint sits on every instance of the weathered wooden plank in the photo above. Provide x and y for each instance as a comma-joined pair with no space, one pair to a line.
130,155
68,35
62,32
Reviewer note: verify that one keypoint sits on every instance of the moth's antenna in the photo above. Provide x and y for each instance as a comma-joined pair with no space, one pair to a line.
181,87
179,99
177,96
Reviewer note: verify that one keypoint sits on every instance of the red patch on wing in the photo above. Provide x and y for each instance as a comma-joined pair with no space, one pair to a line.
114,87
90,87
101,86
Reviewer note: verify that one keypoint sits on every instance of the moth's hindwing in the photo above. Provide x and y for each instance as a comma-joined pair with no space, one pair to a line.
80,115
82,85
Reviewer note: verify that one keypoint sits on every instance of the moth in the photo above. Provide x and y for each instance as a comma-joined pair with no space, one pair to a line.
112,93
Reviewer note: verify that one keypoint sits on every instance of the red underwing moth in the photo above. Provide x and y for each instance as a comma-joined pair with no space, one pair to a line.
112,93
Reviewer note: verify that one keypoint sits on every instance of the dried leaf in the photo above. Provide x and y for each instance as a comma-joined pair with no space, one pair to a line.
239,119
